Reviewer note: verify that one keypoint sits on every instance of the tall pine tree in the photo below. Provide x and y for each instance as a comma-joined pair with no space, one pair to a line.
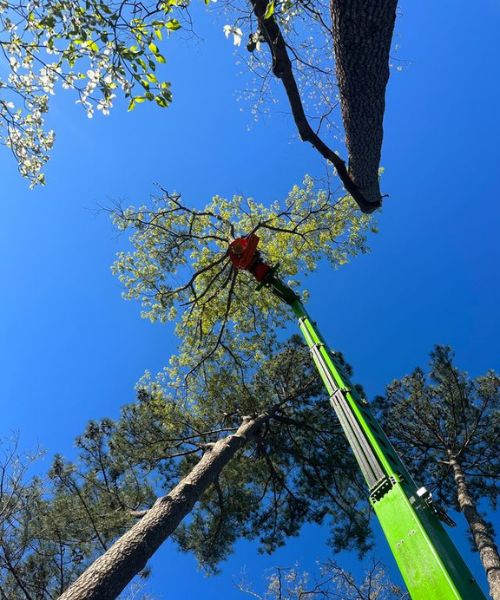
254,459
446,426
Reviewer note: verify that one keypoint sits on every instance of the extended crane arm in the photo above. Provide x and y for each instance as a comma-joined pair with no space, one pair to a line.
427,558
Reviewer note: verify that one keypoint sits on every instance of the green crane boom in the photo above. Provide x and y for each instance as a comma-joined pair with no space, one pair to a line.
430,564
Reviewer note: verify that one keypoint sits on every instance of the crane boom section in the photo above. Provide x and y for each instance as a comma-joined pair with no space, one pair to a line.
430,564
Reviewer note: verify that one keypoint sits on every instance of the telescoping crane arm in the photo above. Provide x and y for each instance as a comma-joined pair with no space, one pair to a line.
429,562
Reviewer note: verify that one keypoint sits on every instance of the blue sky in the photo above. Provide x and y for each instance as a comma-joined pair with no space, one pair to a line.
72,349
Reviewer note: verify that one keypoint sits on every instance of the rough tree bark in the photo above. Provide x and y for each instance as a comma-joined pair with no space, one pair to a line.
486,546
362,34
110,573
282,69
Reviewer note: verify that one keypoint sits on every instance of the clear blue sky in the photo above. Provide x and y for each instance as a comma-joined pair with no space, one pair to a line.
72,349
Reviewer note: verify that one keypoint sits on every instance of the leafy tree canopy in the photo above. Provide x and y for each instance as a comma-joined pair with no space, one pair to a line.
95,48
179,267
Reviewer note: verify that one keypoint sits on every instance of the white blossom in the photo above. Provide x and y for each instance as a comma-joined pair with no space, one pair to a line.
236,31
92,69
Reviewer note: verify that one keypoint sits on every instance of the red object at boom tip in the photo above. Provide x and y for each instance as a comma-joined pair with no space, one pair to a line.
244,255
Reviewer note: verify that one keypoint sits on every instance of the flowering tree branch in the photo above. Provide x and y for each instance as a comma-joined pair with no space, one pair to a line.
91,47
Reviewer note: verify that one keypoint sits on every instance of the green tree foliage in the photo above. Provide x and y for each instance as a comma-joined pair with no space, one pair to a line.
95,48
51,527
179,267
297,470
20,498
446,426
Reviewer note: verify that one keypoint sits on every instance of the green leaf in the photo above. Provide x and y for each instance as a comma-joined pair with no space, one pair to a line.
161,101
158,34
134,101
173,25
269,9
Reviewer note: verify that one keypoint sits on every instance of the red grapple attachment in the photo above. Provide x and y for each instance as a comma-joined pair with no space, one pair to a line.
244,255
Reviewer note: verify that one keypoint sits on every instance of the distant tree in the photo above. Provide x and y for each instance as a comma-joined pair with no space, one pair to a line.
50,527
137,591
19,499
446,425
332,583
250,459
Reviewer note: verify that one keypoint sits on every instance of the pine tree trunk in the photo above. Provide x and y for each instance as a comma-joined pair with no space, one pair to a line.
362,34
485,544
110,573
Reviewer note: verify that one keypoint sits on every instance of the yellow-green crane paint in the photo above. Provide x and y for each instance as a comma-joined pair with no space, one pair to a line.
430,564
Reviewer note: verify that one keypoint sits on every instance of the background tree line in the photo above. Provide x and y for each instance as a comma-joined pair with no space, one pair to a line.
290,466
